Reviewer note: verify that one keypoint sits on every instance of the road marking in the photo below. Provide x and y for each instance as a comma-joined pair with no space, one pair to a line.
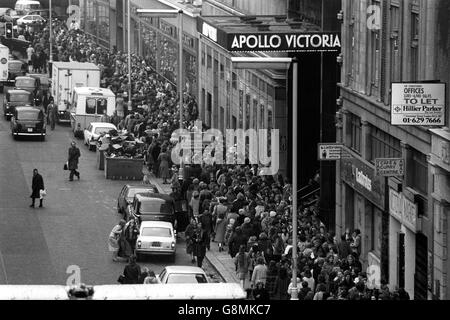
3,267
64,189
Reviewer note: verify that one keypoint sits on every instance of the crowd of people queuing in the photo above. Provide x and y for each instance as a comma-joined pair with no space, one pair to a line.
231,207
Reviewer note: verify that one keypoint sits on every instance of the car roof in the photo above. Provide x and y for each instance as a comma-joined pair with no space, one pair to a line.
103,124
164,224
148,196
25,78
18,91
184,269
141,186
28,108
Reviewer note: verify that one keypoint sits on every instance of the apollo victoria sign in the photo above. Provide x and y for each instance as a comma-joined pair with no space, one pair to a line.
283,42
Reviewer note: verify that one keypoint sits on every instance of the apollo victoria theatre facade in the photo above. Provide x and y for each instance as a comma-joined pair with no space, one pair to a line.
262,98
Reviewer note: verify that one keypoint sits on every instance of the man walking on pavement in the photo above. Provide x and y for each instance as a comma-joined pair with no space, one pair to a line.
37,185
74,154
52,112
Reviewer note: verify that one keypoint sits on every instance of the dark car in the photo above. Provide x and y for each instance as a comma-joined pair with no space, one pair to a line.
14,98
128,192
16,68
28,83
28,121
152,207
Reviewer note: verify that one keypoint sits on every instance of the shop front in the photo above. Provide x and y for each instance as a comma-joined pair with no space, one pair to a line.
363,196
439,204
403,227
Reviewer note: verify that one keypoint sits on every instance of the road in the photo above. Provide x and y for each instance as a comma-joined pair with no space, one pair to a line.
37,246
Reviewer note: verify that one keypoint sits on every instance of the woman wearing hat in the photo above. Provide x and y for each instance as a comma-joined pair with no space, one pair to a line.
113,241
163,160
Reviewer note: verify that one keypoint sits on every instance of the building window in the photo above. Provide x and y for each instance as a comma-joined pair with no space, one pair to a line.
241,109
383,145
234,80
395,53
418,172
209,61
354,133
247,111
375,59
203,57
222,72
414,46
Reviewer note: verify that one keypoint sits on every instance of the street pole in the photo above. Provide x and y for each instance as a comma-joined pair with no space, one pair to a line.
294,291
129,55
180,65
51,32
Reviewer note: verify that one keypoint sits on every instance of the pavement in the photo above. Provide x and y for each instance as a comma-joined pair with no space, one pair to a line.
220,261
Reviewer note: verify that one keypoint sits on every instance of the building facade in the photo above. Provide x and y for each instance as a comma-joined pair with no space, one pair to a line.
383,42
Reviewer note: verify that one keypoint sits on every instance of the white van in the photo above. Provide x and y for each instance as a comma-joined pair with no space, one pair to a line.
4,59
89,104
24,7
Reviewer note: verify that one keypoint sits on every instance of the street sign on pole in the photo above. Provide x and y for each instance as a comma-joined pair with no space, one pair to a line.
389,167
329,151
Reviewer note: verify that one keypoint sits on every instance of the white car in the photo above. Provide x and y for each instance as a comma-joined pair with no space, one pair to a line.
183,274
156,237
29,19
93,132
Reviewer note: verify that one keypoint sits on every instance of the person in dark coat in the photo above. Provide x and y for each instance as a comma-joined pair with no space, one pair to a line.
74,154
37,185
201,240
132,271
236,240
260,292
206,220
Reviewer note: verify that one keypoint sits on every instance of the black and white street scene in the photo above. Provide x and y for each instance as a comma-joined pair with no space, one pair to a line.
221,149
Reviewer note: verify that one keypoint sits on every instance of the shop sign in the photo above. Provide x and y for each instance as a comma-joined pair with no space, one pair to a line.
361,177
389,167
395,205
418,104
373,271
329,151
403,209
409,214
292,42
209,31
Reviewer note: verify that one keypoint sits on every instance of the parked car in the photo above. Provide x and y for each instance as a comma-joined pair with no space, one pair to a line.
152,207
28,83
16,68
128,192
28,121
182,274
45,13
30,19
14,98
93,132
156,237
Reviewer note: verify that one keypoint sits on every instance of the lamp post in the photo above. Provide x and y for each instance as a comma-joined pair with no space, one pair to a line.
282,63
172,13
51,34
129,54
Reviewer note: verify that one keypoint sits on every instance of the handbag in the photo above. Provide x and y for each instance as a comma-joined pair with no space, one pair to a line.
66,167
121,279
42,193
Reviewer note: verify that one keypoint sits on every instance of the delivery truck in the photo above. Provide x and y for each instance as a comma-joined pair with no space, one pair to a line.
65,77
4,59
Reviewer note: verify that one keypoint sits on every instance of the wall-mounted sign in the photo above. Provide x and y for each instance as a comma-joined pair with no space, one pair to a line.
418,104
209,31
360,175
403,209
294,42
389,167
329,151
